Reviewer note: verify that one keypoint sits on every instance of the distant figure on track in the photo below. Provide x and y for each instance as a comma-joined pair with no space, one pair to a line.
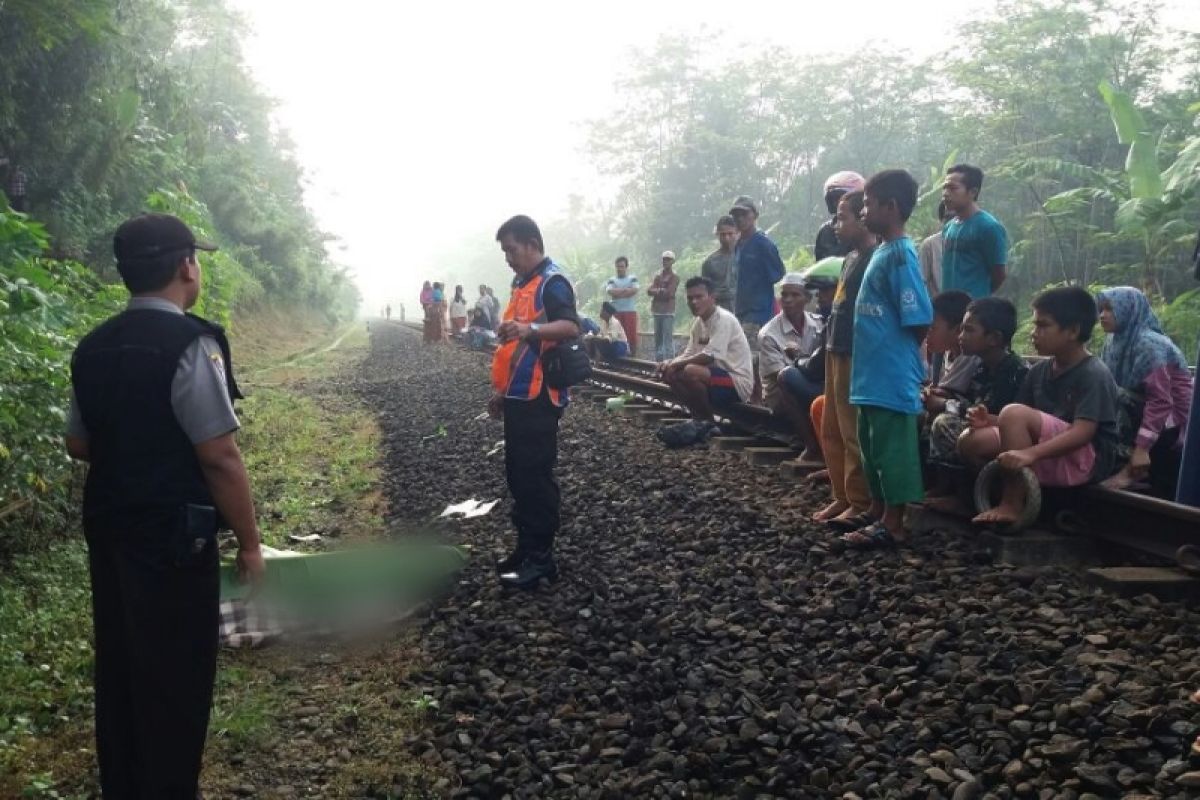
622,291
609,342
387,312
458,312
152,414
540,313
662,307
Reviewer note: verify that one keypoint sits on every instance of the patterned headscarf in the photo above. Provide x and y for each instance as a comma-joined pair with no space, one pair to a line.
1138,346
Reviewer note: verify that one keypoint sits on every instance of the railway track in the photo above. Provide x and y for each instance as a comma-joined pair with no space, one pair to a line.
1154,527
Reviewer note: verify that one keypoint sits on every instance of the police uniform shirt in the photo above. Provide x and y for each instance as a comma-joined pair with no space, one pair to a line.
199,396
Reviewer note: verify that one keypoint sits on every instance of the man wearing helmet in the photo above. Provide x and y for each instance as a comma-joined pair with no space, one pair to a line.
836,185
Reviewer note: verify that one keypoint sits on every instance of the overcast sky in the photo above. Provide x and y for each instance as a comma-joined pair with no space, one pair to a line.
419,124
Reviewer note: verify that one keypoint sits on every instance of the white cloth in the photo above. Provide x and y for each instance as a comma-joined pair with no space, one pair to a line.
612,329
458,308
778,335
721,337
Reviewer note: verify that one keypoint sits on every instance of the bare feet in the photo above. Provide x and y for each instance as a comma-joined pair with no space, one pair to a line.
820,476
1000,515
830,511
947,504
1119,481
808,457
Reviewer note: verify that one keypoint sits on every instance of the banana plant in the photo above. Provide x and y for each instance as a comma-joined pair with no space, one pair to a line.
1152,209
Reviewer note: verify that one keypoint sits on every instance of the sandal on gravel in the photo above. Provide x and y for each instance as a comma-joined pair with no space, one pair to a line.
873,537
847,524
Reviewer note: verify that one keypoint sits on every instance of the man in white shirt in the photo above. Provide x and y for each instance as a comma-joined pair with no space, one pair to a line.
716,369
793,333
610,343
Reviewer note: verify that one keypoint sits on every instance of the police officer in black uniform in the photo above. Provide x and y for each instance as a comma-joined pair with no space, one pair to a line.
152,414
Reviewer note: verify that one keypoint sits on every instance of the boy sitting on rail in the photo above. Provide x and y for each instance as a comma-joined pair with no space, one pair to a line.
715,370
610,343
985,334
1063,424
891,319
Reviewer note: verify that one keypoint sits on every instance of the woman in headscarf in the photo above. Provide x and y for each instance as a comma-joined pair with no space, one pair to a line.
1154,389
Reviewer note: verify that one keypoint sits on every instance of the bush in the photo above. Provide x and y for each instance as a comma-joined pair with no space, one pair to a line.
45,306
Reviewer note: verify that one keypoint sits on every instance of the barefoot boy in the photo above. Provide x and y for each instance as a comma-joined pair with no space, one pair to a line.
839,423
891,318
1064,423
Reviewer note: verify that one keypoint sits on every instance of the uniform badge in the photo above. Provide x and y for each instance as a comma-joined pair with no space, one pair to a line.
218,364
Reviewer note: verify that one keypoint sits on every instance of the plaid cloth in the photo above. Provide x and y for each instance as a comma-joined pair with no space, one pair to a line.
248,624
252,623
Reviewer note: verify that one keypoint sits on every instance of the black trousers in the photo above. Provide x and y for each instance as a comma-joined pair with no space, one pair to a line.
156,661
530,453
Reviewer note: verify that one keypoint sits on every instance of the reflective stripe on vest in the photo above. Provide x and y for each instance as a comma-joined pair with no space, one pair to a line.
517,365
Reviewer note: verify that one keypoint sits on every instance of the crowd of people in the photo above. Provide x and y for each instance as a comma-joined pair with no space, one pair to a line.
892,361
475,324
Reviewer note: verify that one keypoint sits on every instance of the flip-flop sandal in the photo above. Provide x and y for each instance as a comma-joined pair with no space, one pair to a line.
847,524
876,536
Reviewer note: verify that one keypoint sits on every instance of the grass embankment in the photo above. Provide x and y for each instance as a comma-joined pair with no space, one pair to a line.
312,453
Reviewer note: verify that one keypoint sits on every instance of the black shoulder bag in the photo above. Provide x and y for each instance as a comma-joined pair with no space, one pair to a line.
567,364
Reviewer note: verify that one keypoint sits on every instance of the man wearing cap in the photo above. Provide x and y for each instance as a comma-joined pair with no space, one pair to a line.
152,414
793,334
758,268
662,307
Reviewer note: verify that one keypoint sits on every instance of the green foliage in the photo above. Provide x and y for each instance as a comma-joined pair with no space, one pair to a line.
1181,321
1015,93
45,306
105,102
45,648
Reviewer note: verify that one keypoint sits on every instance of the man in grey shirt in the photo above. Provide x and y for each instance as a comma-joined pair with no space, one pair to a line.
199,394
718,267
152,415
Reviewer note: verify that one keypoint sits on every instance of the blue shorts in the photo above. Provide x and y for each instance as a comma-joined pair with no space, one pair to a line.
613,350
721,392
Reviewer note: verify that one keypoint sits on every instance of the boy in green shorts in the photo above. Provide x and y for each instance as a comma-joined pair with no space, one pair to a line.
891,318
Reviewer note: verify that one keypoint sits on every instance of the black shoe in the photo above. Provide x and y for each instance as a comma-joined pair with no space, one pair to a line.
514,560
533,569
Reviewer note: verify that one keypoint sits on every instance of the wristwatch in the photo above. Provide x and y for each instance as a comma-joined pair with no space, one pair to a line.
534,328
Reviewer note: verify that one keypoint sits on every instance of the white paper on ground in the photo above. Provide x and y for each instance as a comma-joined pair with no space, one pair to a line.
469,508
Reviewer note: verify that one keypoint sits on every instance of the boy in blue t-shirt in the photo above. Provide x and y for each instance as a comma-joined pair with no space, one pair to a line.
891,318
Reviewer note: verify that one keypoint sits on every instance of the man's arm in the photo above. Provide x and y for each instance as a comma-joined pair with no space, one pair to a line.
775,268
999,273
225,474
998,255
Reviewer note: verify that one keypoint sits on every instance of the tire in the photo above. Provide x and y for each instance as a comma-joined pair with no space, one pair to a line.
1033,496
